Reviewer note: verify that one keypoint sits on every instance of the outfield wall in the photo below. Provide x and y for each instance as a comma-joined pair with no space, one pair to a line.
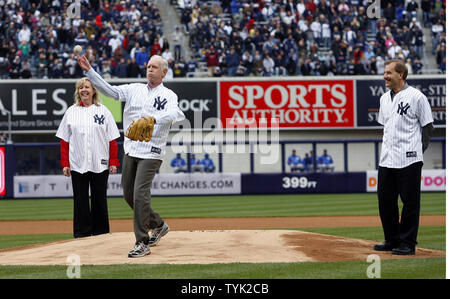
305,108
341,107
49,186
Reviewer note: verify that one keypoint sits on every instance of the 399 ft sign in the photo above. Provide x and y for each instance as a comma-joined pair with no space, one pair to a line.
298,182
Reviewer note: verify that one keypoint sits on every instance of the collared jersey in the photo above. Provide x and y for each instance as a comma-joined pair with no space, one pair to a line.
403,117
88,130
141,100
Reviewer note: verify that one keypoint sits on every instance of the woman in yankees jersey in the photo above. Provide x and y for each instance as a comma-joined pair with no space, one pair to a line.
88,154
405,114
142,159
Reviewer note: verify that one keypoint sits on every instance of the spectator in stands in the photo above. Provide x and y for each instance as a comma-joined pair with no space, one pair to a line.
178,164
142,58
208,164
217,72
55,68
268,65
178,40
133,68
443,65
196,164
26,71
412,7
179,70
212,59
167,55
3,138
70,64
4,65
121,68
232,61
326,162
191,66
417,66
440,54
408,65
41,66
426,12
295,162
437,29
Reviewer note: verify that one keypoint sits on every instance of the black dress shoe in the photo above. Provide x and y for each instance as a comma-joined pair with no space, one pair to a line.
404,249
386,246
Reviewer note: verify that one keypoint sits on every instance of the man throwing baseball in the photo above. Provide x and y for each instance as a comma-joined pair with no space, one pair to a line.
149,111
406,116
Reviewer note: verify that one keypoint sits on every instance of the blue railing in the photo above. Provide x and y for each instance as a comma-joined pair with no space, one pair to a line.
42,147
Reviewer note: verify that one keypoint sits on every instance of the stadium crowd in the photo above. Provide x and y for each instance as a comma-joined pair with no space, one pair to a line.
232,37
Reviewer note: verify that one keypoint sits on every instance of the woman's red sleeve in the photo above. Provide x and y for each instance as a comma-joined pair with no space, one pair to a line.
64,146
113,149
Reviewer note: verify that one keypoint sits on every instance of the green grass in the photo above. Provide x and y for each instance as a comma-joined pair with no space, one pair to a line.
402,268
432,237
222,206
11,241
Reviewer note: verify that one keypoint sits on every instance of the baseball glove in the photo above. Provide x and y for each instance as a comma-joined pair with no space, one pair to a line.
141,129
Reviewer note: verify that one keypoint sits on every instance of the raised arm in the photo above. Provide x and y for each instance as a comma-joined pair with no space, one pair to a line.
99,83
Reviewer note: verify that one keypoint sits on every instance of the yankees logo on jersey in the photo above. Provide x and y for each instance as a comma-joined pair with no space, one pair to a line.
158,104
403,108
88,130
403,115
99,119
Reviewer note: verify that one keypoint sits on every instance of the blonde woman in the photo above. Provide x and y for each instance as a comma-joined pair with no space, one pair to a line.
88,154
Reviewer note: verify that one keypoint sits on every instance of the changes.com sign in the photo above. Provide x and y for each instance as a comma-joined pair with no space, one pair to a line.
295,104
432,180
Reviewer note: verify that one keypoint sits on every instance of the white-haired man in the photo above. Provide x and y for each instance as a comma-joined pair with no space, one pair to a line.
142,159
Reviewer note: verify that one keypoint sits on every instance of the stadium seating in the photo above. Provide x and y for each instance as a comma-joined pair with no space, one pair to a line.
227,38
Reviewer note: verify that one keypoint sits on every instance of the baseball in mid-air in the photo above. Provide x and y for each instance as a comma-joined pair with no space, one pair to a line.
77,49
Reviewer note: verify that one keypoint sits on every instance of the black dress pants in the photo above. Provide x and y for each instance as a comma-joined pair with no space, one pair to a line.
90,219
405,182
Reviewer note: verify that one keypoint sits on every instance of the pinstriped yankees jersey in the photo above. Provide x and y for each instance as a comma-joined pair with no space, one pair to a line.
88,130
403,117
141,100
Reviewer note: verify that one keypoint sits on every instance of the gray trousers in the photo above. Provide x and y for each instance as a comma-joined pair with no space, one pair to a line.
137,177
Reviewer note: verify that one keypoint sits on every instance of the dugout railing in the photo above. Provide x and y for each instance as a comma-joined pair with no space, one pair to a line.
43,158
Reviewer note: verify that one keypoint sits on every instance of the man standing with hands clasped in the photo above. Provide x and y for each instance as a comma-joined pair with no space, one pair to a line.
149,111
406,116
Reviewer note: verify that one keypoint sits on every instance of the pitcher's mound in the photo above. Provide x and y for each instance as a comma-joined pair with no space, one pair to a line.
202,247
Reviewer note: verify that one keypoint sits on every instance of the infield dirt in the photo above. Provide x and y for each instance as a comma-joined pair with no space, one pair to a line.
207,240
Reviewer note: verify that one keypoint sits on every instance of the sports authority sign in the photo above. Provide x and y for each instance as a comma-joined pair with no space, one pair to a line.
295,104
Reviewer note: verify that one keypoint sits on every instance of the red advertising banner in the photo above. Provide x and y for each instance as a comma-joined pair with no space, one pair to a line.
2,171
295,104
